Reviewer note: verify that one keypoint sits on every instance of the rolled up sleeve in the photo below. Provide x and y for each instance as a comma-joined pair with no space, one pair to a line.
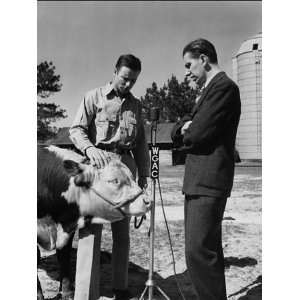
79,129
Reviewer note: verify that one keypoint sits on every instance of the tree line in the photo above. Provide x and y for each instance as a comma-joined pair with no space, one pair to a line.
174,99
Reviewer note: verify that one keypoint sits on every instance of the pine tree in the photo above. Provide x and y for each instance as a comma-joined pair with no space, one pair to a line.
174,99
47,84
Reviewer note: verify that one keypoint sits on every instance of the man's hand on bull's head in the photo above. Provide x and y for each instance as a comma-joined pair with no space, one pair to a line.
97,157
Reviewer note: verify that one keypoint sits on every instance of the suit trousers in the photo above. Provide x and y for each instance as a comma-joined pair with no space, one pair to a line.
87,281
203,245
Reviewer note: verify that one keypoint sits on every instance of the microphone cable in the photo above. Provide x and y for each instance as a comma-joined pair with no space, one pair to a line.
170,242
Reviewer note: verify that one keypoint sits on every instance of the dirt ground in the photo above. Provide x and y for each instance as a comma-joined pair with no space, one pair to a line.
241,241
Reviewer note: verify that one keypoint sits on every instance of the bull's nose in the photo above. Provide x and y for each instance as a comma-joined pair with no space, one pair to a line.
147,203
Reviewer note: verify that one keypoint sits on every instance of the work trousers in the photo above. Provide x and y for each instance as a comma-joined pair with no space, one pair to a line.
203,245
87,281
87,284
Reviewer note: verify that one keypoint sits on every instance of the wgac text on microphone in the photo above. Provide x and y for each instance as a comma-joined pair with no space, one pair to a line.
154,162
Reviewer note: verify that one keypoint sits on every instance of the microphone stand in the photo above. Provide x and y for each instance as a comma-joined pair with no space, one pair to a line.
150,283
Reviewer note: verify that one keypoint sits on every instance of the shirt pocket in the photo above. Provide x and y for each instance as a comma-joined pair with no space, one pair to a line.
132,127
102,124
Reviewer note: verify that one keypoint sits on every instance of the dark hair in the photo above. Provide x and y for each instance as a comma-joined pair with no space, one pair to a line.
201,46
129,61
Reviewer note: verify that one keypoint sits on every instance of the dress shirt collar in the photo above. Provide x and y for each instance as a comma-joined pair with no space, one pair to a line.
206,83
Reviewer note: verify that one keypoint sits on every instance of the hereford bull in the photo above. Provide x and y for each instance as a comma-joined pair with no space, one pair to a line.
69,188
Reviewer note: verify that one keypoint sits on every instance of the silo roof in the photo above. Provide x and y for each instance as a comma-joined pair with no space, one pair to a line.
247,45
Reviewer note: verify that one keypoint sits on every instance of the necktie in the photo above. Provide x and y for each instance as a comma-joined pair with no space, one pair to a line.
200,94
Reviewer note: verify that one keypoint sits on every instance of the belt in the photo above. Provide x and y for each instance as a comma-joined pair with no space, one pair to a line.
114,148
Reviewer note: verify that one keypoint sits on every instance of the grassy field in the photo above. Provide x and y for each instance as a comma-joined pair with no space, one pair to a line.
241,241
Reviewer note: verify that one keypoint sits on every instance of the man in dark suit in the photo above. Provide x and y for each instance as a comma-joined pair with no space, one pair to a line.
208,136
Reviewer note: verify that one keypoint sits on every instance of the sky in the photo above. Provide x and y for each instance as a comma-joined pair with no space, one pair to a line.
84,39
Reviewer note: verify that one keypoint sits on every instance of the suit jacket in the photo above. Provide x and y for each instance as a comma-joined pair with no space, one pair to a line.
210,139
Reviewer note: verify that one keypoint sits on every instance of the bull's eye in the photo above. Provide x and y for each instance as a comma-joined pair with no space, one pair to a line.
114,181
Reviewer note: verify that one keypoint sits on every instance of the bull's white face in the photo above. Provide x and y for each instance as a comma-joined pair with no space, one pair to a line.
91,186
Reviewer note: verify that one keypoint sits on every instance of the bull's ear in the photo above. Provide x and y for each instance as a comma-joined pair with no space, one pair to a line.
82,180
72,167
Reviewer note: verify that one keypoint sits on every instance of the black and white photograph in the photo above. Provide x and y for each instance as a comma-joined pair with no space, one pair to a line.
149,158
149,150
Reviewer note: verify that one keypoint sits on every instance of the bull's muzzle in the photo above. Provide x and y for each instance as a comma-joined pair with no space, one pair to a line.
147,203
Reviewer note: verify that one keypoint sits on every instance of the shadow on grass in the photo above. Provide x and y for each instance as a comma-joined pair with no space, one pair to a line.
239,262
136,281
138,276
253,290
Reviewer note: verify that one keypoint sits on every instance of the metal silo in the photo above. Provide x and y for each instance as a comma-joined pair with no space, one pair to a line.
247,65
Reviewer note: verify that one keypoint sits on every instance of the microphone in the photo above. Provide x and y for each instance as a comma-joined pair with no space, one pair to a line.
154,117
154,114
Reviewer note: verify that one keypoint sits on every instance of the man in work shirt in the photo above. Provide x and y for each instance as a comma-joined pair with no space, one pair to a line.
109,119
